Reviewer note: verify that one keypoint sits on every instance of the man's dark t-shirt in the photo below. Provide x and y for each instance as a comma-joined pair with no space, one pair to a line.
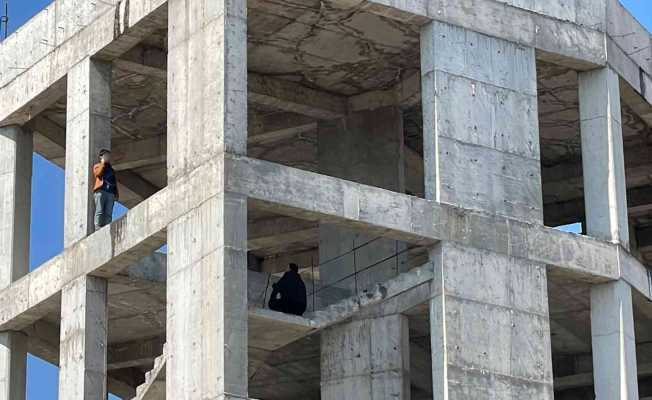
293,294
109,183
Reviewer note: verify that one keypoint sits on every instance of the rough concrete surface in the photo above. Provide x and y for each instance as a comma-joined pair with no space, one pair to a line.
413,157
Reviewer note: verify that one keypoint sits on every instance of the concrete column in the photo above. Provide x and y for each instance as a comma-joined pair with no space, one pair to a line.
603,160
492,343
15,195
489,320
207,247
84,301
614,343
82,355
88,130
605,194
480,123
366,359
366,147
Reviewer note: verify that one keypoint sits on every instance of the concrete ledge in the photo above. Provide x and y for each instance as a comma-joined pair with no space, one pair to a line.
422,222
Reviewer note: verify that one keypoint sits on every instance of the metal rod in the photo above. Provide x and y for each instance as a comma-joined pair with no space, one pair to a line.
355,269
269,276
312,273
5,18
396,252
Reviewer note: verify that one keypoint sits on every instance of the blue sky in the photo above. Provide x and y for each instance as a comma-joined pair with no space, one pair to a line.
47,200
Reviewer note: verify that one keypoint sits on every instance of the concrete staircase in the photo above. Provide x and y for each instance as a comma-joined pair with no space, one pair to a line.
154,386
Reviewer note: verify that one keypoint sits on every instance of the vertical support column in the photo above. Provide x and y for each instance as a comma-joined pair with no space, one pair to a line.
366,359
82,354
614,344
365,147
88,130
603,158
612,319
481,151
15,195
207,247
84,300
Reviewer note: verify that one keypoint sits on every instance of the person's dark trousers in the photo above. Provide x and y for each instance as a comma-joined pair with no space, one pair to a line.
104,202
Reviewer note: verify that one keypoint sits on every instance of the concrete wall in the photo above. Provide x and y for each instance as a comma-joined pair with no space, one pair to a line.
365,147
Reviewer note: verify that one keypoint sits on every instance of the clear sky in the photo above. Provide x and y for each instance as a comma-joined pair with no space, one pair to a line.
47,199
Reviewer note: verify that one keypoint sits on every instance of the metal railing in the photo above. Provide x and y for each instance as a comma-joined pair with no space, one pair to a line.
355,267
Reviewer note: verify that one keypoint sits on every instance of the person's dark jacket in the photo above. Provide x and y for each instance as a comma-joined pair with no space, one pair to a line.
105,179
293,294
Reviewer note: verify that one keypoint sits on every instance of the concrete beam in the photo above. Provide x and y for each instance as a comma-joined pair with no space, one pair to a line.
133,188
328,199
581,45
292,97
270,185
573,211
405,94
586,379
280,262
281,134
569,171
108,36
139,353
272,232
278,94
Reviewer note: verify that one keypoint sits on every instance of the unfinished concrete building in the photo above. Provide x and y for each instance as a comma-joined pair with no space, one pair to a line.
413,156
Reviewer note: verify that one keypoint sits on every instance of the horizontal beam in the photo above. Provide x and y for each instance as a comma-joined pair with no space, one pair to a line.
133,154
635,157
107,37
269,92
586,379
314,197
272,232
293,97
572,211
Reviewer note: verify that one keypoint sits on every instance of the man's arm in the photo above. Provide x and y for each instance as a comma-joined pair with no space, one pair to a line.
98,170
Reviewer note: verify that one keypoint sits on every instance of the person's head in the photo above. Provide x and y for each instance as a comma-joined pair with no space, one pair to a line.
294,267
105,155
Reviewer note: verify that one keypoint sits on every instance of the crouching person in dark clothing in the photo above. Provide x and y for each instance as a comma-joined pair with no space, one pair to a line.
289,293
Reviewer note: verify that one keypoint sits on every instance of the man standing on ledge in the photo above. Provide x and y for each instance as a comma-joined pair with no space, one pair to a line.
105,189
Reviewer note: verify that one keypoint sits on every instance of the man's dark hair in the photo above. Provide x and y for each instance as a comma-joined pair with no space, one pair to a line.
294,267
104,151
